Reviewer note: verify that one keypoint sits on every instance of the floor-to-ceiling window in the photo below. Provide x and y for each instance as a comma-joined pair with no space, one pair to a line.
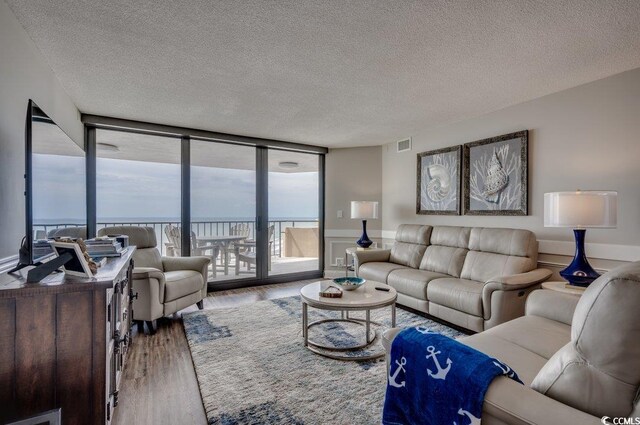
223,207
138,183
294,185
253,208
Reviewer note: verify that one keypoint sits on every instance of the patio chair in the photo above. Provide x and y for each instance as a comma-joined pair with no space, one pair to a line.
174,234
240,229
246,252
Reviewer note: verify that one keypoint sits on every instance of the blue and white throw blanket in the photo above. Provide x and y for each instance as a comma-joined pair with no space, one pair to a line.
434,380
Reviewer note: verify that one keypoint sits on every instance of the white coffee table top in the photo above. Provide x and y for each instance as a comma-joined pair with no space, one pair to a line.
364,298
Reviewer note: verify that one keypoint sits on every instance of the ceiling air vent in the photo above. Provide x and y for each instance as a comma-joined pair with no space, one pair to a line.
404,145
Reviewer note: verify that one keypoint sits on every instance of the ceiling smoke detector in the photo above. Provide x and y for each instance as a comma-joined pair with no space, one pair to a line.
107,147
288,164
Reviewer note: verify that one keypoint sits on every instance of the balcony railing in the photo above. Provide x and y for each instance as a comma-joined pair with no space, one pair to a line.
200,228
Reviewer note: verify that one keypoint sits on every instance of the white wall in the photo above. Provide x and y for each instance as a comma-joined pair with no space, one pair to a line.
352,174
24,75
587,137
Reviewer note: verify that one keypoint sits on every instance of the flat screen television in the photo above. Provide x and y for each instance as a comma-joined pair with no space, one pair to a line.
55,187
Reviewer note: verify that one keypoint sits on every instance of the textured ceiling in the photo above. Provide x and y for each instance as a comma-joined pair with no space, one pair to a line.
331,73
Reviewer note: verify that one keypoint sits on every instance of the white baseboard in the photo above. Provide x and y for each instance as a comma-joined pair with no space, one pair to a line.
8,263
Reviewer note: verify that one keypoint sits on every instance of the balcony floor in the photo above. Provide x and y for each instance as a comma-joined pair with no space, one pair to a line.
279,266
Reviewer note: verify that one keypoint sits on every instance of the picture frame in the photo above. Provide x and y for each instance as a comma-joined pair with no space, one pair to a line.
438,190
78,265
496,175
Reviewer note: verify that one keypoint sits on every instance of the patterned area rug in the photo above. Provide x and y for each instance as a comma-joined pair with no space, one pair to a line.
252,367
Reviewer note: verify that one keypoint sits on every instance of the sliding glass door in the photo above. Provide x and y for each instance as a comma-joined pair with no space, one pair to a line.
223,208
294,212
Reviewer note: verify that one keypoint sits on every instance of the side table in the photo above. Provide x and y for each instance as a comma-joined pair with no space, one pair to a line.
560,286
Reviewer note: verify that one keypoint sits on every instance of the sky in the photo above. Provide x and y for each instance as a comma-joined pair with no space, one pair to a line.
146,190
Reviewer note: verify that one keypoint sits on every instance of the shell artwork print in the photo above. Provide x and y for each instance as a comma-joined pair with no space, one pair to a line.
494,181
439,182
439,185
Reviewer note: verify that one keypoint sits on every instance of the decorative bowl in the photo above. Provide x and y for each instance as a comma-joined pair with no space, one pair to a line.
349,283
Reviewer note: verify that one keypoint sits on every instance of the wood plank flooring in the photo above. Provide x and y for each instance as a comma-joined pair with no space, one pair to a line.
159,384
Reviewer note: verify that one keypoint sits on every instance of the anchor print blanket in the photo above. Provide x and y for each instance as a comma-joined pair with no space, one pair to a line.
435,380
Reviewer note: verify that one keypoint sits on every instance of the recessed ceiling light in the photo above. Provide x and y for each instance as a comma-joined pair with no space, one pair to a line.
107,147
288,164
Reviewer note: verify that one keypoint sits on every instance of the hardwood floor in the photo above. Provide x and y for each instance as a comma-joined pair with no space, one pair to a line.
159,384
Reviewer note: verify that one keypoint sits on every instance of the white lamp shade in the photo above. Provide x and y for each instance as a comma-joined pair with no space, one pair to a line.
581,209
364,209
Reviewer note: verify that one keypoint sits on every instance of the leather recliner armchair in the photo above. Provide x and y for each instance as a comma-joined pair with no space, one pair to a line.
164,285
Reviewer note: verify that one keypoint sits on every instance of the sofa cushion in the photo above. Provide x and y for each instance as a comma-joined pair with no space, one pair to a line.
446,250
515,242
378,271
499,252
182,283
444,259
603,356
411,242
459,294
413,233
453,236
412,282
483,266
526,363
537,334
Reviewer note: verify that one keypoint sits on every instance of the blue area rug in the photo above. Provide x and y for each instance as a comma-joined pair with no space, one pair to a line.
252,367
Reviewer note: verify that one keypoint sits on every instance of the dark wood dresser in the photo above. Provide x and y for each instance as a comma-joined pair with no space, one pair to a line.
63,343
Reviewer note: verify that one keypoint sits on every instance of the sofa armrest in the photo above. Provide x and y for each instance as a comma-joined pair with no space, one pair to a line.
140,273
148,285
197,264
552,305
510,402
517,281
376,255
503,297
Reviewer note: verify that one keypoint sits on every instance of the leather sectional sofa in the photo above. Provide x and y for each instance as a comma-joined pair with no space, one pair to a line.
473,277
579,358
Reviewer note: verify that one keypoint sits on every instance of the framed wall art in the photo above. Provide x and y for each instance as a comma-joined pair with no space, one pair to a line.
438,189
495,175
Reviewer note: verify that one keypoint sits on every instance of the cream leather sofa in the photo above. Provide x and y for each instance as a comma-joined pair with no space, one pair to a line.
473,277
164,285
579,358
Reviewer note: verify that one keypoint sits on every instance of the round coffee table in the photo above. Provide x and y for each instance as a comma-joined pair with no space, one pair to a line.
365,298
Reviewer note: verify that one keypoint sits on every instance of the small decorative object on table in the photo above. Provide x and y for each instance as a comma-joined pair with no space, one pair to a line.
349,283
331,292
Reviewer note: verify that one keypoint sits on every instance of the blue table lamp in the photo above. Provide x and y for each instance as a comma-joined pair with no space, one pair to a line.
364,210
580,210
